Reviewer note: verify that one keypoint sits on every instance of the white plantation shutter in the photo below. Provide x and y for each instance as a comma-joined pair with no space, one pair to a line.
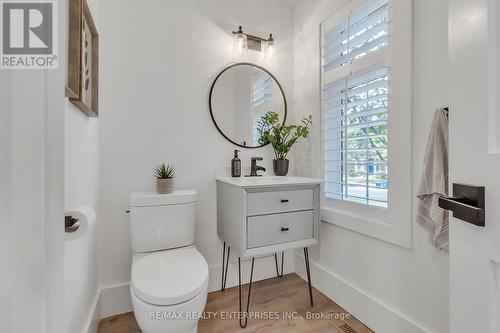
355,138
361,33
355,105
262,90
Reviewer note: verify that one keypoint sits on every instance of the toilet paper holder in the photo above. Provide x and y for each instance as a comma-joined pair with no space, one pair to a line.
71,224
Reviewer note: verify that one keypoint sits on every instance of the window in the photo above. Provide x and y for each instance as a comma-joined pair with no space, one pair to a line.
355,138
262,95
365,156
355,108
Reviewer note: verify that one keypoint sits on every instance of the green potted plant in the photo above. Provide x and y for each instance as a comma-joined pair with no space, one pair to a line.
164,178
282,138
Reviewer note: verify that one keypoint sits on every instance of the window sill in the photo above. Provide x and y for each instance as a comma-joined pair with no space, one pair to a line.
396,234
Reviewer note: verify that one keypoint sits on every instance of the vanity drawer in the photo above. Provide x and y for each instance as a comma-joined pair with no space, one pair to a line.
279,201
279,228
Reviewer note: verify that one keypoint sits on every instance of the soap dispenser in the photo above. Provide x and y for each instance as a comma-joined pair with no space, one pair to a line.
236,165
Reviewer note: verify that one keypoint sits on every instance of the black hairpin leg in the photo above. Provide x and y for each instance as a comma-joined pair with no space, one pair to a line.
244,314
308,270
276,261
225,265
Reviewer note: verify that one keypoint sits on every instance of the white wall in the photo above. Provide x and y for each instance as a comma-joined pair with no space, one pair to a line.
31,196
31,199
392,289
81,180
158,60
81,188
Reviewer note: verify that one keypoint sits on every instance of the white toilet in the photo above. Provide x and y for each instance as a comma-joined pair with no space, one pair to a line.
169,278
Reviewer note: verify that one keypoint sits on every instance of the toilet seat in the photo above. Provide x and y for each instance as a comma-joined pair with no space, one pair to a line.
169,277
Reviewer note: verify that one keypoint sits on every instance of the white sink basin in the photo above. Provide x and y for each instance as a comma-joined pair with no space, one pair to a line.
268,181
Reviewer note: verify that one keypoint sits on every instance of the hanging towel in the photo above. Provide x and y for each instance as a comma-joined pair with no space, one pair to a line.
434,182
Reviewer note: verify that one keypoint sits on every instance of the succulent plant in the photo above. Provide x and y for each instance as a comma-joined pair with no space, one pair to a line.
163,171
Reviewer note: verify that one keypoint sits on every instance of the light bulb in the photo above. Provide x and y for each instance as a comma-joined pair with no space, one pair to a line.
270,51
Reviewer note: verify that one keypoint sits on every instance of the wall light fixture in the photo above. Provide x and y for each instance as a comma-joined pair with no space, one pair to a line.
244,41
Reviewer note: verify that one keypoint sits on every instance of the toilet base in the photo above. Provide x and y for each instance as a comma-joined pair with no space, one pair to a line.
154,318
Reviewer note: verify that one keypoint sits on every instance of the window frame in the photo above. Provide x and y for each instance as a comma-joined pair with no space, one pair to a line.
391,224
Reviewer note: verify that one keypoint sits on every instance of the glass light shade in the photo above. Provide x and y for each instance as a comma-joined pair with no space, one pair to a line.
240,44
269,50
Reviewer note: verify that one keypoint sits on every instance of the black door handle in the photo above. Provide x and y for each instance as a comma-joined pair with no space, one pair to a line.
467,204
284,229
284,200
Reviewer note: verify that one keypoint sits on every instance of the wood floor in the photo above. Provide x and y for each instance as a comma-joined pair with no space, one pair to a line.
286,297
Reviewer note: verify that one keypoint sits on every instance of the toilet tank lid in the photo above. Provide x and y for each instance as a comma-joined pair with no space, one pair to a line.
146,199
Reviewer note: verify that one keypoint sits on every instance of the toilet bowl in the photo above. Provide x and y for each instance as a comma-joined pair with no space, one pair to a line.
169,276
169,290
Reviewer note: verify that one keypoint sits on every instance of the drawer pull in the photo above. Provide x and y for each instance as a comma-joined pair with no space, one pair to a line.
284,229
285,200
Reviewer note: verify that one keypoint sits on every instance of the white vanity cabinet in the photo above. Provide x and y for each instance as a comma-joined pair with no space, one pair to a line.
265,215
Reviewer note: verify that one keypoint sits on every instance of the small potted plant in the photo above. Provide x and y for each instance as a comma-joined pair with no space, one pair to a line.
164,178
282,138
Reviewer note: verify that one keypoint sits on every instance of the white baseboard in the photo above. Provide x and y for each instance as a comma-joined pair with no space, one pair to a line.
94,317
115,300
371,311
108,302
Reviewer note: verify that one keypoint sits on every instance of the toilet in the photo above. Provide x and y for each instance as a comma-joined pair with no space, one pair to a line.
169,276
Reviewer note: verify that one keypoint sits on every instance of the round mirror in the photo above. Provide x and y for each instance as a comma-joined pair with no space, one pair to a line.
240,95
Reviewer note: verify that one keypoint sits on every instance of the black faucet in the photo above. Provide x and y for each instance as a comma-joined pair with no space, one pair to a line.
254,167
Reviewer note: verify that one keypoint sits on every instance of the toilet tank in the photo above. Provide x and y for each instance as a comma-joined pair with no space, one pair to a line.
162,221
